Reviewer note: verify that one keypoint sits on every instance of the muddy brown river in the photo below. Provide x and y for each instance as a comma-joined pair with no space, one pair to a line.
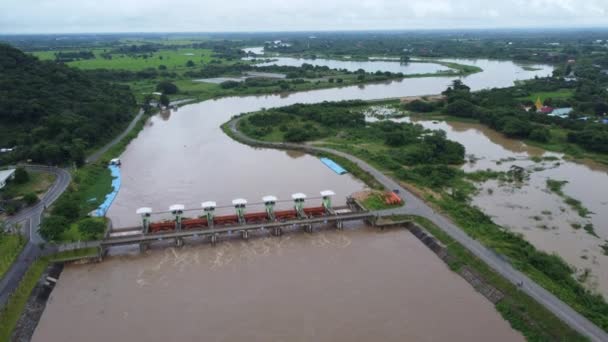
355,285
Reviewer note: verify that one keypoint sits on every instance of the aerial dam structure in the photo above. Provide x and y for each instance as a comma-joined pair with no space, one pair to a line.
213,226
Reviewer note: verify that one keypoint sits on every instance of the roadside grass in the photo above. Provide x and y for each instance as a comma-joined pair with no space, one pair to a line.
521,311
11,312
38,183
10,247
74,254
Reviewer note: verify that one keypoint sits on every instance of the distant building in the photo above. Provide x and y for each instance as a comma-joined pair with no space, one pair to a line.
6,175
546,110
561,112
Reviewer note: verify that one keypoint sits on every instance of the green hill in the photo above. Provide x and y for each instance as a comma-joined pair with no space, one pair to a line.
53,113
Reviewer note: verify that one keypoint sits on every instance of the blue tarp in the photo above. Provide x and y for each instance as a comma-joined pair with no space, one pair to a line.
332,165
103,208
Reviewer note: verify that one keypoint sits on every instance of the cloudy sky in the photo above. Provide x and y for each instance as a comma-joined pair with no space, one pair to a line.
63,16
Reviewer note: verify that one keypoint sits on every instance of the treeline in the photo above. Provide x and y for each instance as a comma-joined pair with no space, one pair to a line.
545,47
69,56
118,75
503,110
409,144
53,113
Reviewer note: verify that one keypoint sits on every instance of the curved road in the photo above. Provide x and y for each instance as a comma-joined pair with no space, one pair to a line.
29,218
415,206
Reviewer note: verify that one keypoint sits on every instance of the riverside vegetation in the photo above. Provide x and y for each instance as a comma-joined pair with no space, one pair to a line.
424,159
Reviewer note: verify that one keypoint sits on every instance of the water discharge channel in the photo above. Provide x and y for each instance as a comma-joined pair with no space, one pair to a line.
352,285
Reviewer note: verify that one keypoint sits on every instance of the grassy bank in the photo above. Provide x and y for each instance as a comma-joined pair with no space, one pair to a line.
10,247
91,183
11,312
523,313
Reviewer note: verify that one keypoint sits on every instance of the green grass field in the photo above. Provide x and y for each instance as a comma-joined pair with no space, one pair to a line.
38,183
172,59
558,94
10,247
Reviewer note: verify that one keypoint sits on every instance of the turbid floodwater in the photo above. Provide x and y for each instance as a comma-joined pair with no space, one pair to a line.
354,285
330,286
530,208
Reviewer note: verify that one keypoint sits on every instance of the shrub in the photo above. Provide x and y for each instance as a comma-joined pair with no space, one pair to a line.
21,176
30,198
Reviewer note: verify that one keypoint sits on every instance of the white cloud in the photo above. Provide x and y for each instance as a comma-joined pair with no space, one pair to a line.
33,16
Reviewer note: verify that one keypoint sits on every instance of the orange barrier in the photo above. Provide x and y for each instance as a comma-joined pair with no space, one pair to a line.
285,214
315,211
256,217
392,198
162,226
194,223
227,219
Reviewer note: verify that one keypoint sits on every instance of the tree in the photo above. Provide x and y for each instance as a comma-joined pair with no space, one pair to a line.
190,64
30,198
53,227
166,87
162,66
91,228
164,100
21,175
395,139
461,108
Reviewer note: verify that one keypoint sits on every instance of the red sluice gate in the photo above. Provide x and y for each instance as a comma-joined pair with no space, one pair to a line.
162,226
195,223
314,211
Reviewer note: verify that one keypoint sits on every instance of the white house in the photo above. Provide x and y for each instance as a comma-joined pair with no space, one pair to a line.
6,175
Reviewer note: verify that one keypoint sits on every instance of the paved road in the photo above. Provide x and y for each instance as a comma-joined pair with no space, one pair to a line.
97,154
29,219
415,206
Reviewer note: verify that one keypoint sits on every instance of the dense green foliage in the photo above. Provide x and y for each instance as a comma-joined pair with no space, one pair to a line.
10,247
53,113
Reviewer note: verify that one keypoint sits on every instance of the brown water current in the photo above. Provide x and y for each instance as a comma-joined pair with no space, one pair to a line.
542,216
355,285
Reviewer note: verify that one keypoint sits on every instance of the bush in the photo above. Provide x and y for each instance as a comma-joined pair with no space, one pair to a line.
30,198
53,227
21,175
91,228
296,135
461,108
167,87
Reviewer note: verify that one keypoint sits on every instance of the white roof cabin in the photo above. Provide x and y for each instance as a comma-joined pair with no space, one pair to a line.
267,199
239,201
144,210
176,207
298,195
208,205
326,193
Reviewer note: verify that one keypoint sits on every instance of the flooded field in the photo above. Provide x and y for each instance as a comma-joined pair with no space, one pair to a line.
530,208
354,285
